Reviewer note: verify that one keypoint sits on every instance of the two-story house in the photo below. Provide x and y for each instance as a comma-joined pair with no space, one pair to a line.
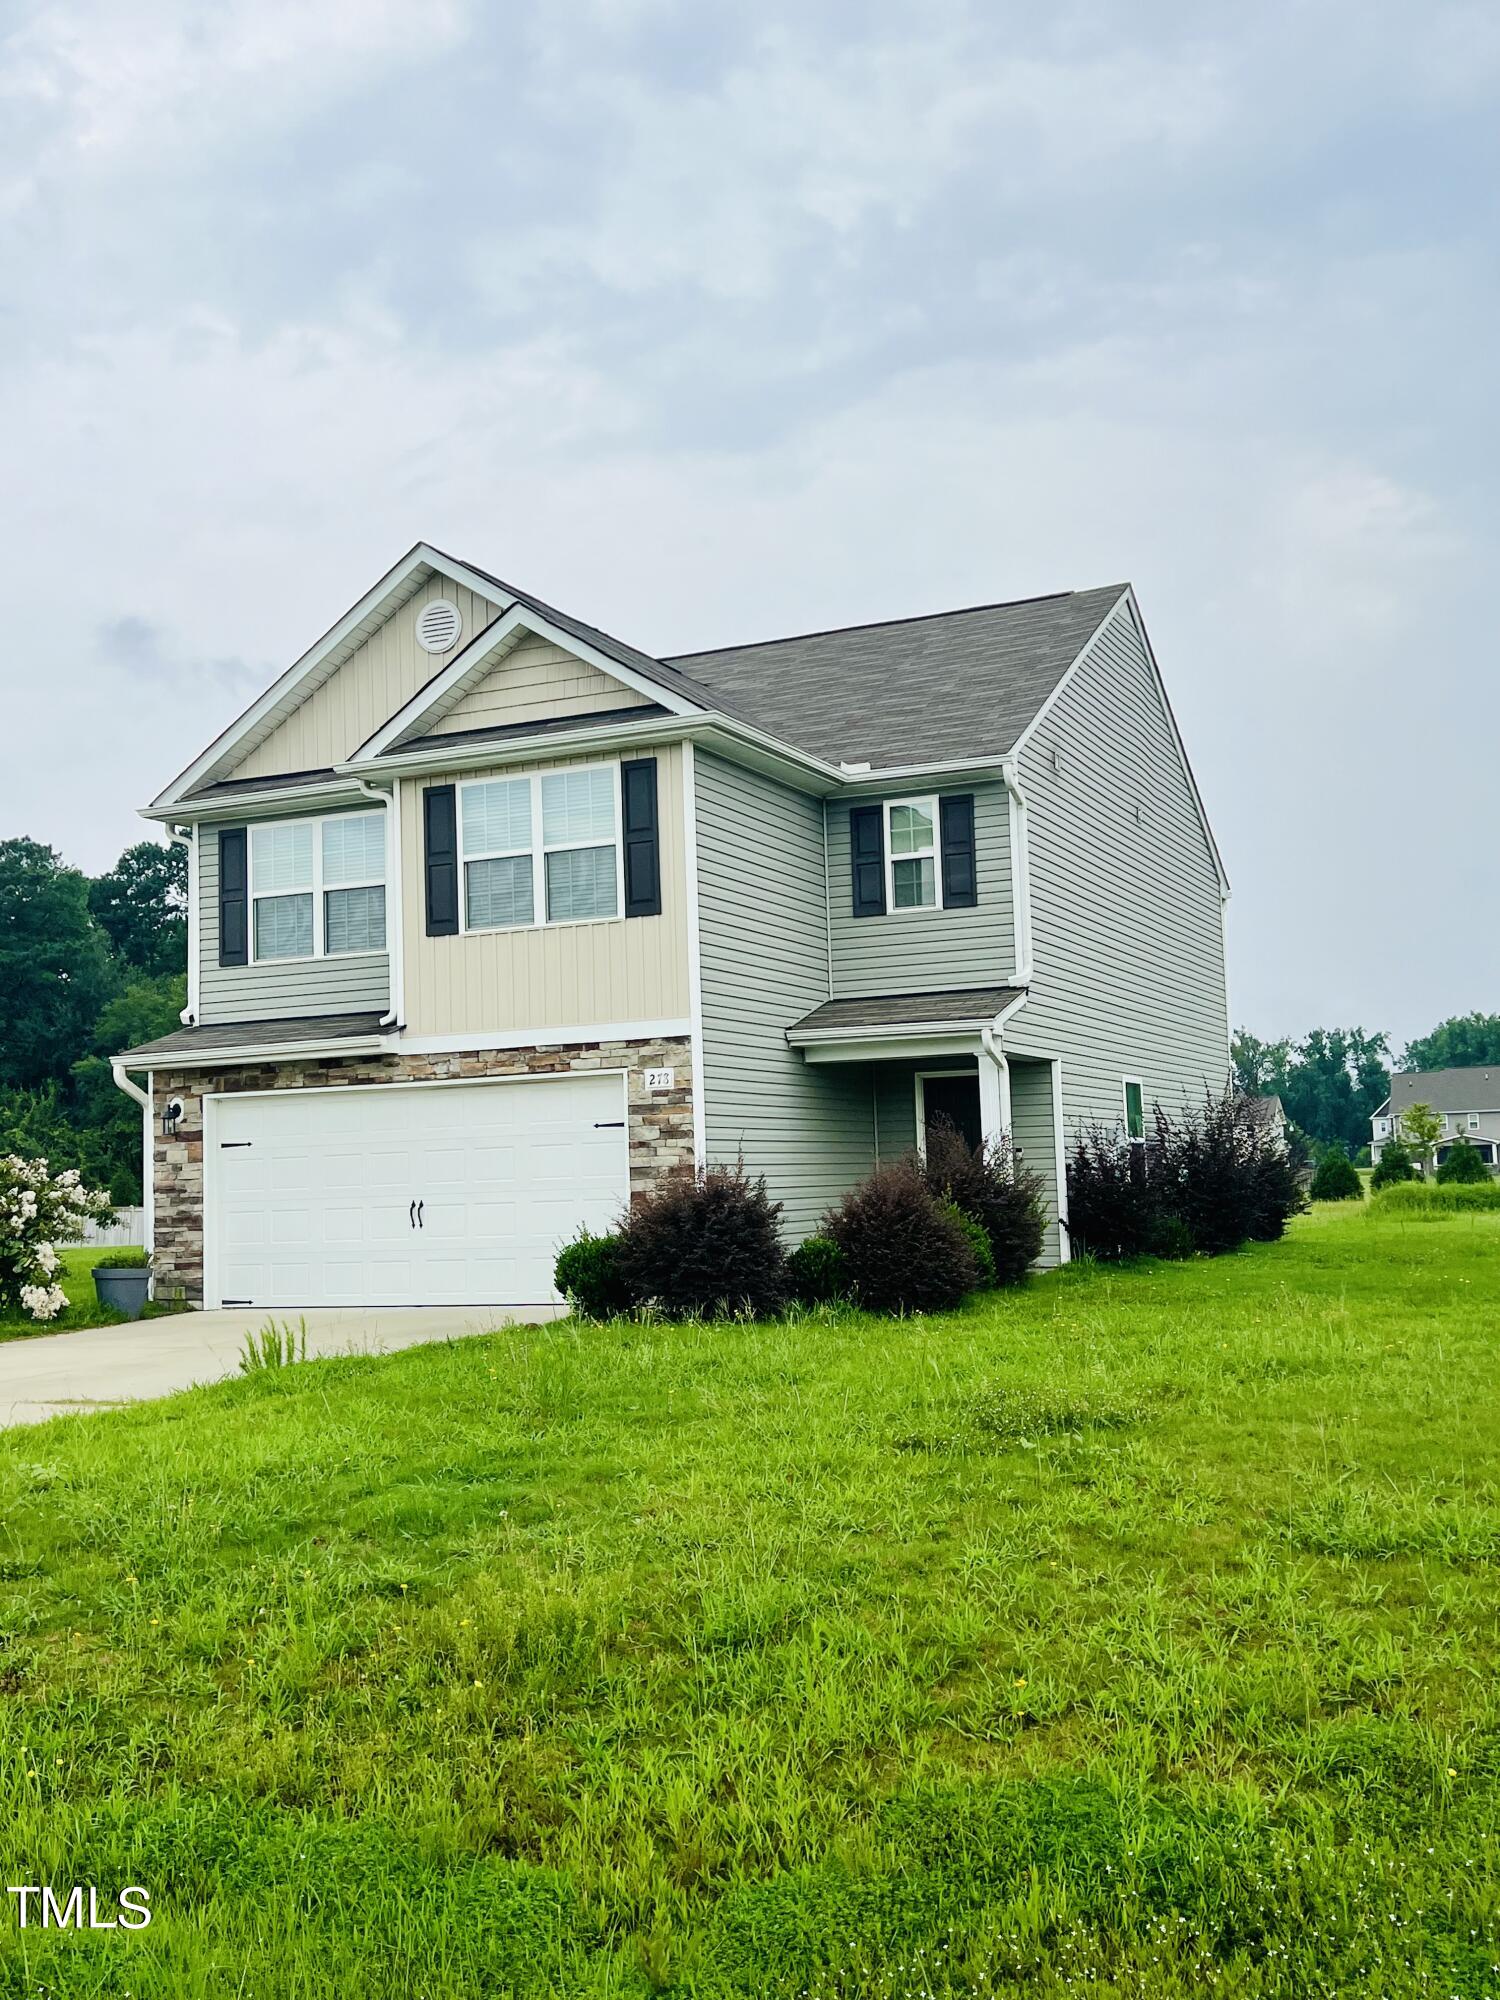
1467,1100
496,919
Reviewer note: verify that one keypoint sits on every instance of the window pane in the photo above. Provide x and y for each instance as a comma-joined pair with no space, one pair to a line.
354,848
354,920
915,884
581,883
497,817
283,926
911,830
578,806
1135,1116
281,857
498,892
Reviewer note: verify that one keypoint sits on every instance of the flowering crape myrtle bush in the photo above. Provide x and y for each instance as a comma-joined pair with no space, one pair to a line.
37,1210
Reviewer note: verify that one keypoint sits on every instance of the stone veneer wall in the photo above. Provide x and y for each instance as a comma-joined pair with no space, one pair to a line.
659,1123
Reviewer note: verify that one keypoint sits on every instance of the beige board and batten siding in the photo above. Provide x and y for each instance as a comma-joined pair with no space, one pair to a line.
368,689
551,976
349,983
931,950
763,950
1125,904
536,682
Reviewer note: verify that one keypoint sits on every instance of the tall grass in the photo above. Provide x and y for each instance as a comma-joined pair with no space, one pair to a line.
1431,1198
1136,1634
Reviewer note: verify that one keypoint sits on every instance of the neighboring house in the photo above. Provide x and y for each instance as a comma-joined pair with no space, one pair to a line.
1467,1100
1270,1114
496,920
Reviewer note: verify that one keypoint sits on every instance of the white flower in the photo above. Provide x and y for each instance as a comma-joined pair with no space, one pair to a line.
46,1258
43,1301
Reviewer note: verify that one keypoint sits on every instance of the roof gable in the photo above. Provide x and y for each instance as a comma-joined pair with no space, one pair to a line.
422,574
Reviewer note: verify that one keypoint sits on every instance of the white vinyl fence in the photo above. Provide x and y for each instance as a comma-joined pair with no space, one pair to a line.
126,1225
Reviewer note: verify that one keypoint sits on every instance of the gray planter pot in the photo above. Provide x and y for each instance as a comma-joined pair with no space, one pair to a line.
123,1287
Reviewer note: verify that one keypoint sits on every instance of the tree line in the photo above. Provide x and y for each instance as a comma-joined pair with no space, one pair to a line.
1331,1081
88,966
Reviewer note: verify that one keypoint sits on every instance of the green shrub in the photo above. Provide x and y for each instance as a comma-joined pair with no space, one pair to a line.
817,1273
1425,1198
587,1273
1336,1178
128,1259
990,1185
1394,1165
1462,1165
979,1242
705,1244
903,1253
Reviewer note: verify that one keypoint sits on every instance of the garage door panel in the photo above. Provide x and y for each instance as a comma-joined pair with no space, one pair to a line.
312,1191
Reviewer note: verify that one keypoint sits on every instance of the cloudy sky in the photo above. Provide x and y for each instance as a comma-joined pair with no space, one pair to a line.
715,323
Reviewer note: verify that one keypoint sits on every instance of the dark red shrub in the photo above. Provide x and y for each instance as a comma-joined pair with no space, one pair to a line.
705,1243
902,1254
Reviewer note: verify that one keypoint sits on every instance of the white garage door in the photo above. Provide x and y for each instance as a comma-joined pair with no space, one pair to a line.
448,1194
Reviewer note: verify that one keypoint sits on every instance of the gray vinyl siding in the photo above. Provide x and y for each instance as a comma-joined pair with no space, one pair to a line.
289,986
763,944
1126,918
1032,1132
926,951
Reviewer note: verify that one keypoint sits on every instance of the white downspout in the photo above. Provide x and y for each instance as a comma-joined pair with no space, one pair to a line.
395,904
994,1081
189,840
148,1163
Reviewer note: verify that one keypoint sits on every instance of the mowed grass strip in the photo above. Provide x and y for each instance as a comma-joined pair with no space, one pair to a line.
1136,1634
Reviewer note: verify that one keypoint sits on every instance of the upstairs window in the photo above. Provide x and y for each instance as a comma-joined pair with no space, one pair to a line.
317,887
544,848
911,854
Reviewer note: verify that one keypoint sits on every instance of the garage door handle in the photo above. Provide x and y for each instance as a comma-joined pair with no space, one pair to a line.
609,1124
420,1223
229,1145
412,1215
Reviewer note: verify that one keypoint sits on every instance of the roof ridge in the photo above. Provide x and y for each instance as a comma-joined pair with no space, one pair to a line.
884,624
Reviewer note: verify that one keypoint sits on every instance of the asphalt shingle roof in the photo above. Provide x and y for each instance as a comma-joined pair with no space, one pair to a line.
973,1006
245,1038
1475,1088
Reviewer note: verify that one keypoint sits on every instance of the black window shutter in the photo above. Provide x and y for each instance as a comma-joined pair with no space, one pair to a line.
642,838
440,859
960,876
234,896
867,859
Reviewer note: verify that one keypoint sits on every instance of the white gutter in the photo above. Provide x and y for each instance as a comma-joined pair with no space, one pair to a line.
395,942
1020,871
189,840
148,1163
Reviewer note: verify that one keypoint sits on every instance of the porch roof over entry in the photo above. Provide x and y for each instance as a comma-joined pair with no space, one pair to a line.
965,1011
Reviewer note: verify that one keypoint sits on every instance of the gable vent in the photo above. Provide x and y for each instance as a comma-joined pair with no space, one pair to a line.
438,626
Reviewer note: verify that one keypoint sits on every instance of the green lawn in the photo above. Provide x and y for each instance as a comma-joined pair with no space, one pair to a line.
1136,1635
83,1308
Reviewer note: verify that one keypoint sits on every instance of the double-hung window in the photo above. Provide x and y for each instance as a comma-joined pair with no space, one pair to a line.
914,881
317,886
541,849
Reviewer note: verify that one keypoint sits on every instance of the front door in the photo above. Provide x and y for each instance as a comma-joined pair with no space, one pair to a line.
955,1099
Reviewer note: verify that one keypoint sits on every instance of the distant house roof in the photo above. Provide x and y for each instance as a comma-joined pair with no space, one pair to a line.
1476,1088
1267,1110
956,685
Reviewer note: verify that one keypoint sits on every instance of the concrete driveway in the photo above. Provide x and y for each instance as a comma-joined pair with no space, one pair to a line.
98,1368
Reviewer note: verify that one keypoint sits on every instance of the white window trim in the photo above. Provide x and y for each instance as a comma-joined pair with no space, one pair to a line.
1125,1083
539,850
1473,1118
929,802
253,895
